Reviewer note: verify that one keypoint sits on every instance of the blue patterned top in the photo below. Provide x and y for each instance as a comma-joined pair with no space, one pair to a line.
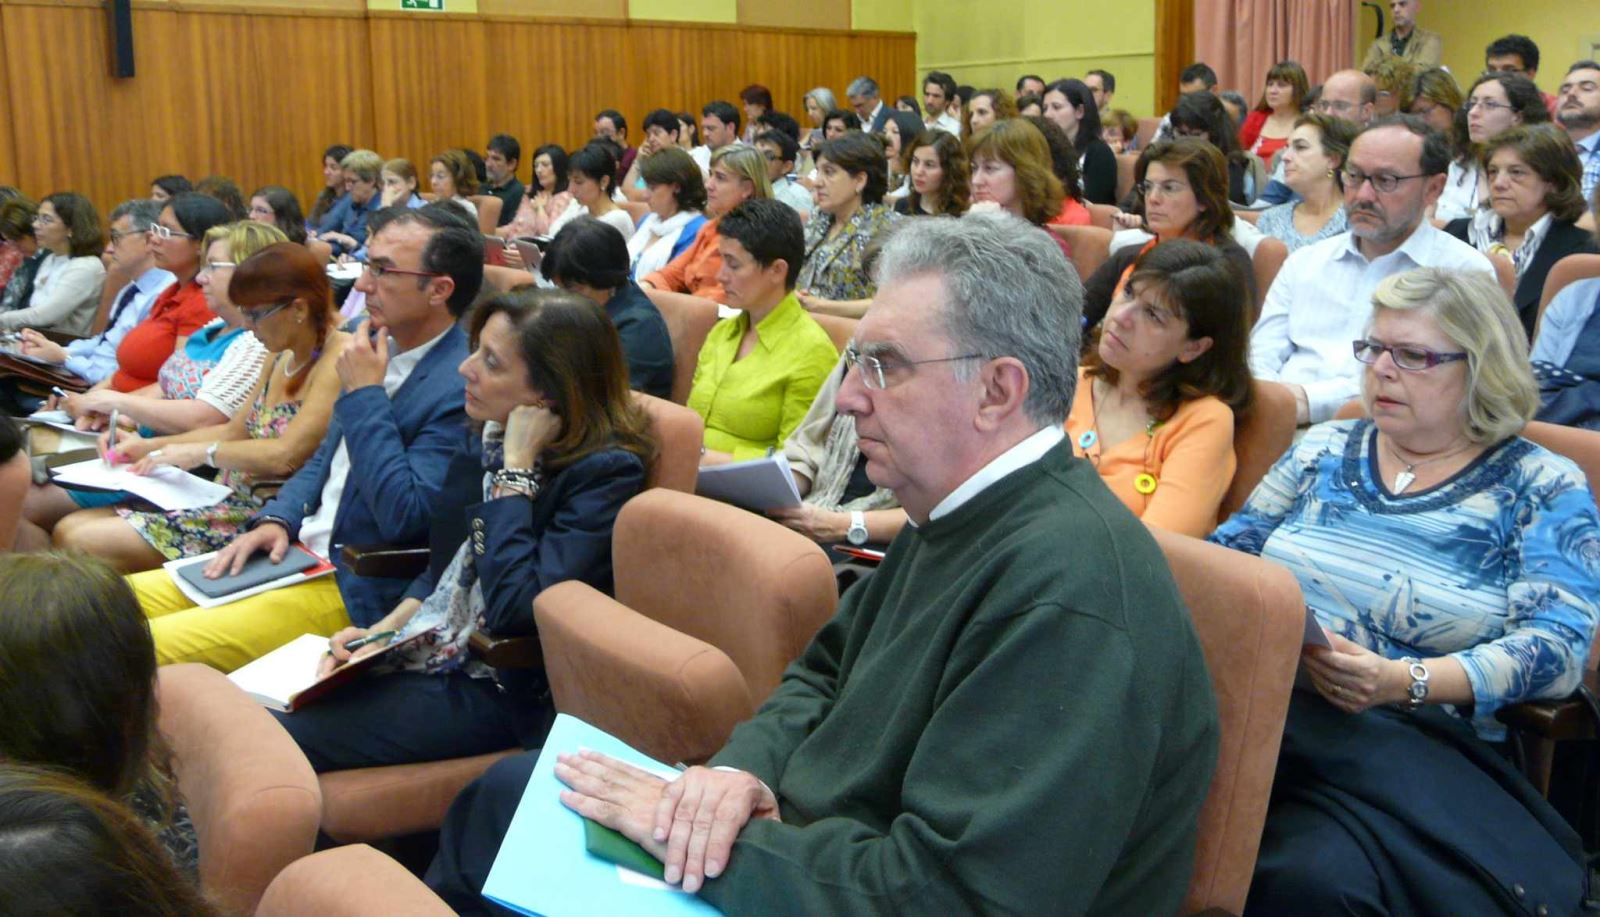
1496,567
1278,222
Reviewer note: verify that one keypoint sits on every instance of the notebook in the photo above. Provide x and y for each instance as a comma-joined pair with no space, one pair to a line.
286,678
756,484
286,576
257,570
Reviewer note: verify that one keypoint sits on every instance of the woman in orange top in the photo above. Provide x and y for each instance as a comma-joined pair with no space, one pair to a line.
1158,392
738,174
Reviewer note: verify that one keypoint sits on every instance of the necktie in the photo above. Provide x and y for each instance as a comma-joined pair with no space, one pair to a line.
116,312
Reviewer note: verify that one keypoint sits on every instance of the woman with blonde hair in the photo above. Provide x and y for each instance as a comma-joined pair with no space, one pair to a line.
738,174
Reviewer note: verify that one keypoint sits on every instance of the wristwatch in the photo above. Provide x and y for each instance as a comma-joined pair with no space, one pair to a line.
1418,692
211,454
857,533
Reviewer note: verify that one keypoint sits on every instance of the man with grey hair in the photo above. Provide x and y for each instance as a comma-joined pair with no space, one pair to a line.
1012,715
864,98
94,358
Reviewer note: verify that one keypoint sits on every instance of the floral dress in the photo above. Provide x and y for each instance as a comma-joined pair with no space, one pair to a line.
186,533
836,268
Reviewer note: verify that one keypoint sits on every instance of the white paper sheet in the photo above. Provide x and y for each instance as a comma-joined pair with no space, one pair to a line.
167,487
755,484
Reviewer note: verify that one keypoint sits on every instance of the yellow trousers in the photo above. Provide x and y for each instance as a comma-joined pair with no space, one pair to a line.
228,636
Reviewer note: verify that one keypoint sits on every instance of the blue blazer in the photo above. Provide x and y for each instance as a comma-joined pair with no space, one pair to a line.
399,450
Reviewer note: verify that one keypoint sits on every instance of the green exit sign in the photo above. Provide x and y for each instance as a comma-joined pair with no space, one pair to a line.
436,6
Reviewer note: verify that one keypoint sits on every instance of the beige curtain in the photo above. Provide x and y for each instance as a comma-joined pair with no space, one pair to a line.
1242,39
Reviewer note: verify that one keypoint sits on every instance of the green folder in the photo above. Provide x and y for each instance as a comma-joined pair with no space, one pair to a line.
611,846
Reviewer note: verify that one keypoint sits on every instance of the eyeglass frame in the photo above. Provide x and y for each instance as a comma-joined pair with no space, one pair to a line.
44,218
117,235
162,232
211,267
377,271
1353,180
1334,106
862,363
254,317
1431,358
1147,186
1490,104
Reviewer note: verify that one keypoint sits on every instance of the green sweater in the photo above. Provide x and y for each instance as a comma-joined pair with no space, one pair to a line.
1012,715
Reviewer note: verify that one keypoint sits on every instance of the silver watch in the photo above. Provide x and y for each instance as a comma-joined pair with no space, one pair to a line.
1417,693
857,533
211,454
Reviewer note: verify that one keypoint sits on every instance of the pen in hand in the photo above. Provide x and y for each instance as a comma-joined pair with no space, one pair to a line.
359,642
111,438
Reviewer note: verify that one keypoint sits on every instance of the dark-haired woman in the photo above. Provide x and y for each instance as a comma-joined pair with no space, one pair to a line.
66,286
332,185
80,689
1183,194
1313,164
941,178
547,198
1266,130
1064,163
675,192
592,178
1157,393
852,175
562,447
1071,105
1200,114
277,206
283,293
1497,102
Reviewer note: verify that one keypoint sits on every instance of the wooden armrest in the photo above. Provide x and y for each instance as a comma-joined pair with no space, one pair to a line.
384,560
507,652
1569,719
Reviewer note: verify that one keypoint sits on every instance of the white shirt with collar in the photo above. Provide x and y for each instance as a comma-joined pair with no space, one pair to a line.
1322,300
316,530
872,118
1019,456
945,122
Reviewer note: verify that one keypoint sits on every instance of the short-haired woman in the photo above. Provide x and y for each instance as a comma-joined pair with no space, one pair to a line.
547,196
941,178
676,196
1120,130
454,179
362,177
850,215
1161,383
1266,130
283,294
987,107
1535,183
1183,194
588,258
591,179
66,287
1451,565
838,122
1435,98
818,102
738,174
1071,105
1496,102
80,689
1312,164
757,101
166,187
559,447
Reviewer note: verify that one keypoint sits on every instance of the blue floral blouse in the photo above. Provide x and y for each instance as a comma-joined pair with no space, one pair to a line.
1497,567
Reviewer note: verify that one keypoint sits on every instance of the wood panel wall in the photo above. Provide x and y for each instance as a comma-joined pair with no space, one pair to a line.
257,93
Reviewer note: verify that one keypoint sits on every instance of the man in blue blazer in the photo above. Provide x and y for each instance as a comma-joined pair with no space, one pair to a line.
400,418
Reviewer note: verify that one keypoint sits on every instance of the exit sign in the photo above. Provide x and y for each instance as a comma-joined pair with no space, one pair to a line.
436,6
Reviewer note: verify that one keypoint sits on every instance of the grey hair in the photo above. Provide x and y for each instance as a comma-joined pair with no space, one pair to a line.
1474,312
142,211
1009,292
823,96
862,86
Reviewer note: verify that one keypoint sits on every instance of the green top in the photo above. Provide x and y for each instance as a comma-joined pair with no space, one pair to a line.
1012,715
753,404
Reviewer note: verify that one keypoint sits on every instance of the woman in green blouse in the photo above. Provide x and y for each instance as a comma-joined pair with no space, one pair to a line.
758,372
852,174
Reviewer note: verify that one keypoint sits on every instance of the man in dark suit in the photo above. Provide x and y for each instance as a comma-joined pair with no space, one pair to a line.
865,99
401,414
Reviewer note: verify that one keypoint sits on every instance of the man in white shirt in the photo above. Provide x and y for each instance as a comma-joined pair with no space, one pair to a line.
1578,110
1322,297
780,150
863,95
938,90
719,125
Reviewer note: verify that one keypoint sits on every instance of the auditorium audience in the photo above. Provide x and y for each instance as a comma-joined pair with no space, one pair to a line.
1160,384
838,122
1496,102
587,257
1030,105
1395,171
1449,563
1533,176
72,850
284,296
738,174
1064,163
941,177
1103,87
167,187
676,195
556,448
1183,190
227,192
394,428
1312,168
759,371
400,185
987,107
454,180
757,101
1030,84
548,197
16,476
961,376
277,206
938,98
850,218
1516,54
346,227
80,693
1579,113
1266,130
1406,40
1120,131
501,159
1071,106
66,285
689,133
1200,114
1348,94
1011,171
899,129
332,185
591,179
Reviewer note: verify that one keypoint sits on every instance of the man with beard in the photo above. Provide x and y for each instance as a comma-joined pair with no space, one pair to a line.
1322,297
1578,110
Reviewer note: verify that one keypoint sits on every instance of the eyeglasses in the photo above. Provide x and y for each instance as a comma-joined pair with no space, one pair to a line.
1410,359
211,267
1489,105
117,235
377,271
1585,86
874,371
1382,182
45,219
160,231
1167,188
255,317
1332,106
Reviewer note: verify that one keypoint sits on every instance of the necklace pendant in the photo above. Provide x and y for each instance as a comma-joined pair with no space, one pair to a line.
1402,480
1087,439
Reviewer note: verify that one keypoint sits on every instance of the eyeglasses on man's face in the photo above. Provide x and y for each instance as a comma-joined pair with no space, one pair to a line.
1382,182
879,373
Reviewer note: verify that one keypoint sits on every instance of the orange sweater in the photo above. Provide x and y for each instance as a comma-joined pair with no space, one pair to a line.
695,271
1190,457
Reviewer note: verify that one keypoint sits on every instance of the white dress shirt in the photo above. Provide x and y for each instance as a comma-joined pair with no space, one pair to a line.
945,122
316,530
1322,300
1022,454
